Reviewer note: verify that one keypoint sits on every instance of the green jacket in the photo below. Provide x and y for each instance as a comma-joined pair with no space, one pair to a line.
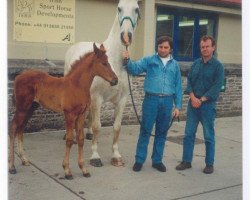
205,79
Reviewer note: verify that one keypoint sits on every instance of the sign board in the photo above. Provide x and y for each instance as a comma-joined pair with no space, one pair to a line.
50,21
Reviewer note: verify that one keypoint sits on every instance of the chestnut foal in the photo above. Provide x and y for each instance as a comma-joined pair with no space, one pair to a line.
69,95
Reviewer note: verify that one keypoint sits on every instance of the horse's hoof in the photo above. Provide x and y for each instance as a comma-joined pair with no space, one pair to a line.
96,162
89,136
69,177
117,162
87,175
12,171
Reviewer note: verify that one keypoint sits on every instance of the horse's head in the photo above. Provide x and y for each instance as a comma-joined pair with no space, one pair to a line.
128,15
102,67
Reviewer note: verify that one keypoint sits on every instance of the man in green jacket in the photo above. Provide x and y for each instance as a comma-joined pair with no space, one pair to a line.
204,83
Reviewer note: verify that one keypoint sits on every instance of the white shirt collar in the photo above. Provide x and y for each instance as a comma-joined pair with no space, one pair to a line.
165,60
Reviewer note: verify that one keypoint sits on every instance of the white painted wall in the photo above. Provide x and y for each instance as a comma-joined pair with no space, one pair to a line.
229,39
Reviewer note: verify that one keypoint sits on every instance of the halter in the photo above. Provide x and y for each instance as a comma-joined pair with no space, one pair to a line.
129,18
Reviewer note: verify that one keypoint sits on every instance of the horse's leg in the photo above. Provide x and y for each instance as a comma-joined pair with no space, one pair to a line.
70,122
21,154
116,157
95,159
80,141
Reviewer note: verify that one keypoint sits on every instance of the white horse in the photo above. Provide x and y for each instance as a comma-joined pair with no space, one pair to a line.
120,35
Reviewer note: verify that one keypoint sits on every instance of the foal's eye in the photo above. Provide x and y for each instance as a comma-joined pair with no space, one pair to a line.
105,64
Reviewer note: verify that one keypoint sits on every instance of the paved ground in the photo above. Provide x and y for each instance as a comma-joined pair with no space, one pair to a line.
44,179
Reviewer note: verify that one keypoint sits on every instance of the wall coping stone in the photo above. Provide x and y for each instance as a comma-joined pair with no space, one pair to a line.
16,66
56,67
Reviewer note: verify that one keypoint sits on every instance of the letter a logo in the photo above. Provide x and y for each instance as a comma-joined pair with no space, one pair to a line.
67,37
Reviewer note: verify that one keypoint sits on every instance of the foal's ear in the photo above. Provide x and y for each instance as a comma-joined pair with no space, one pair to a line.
99,52
102,47
96,50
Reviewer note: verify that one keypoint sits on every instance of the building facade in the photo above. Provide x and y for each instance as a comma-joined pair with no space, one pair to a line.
91,20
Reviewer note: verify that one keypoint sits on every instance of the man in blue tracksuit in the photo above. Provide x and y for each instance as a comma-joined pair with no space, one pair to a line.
163,89
204,83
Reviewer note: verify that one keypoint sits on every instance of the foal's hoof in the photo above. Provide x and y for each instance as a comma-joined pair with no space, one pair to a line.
87,175
25,163
69,177
12,171
89,136
117,162
96,162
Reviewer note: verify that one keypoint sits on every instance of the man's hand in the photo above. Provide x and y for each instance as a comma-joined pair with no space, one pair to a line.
195,102
176,113
125,55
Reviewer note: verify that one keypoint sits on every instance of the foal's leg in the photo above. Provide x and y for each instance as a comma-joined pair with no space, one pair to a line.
20,149
80,141
12,134
116,157
70,122
21,154
17,127
95,159
89,134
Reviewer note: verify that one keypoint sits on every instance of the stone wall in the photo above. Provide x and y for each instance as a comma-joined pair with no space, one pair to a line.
229,103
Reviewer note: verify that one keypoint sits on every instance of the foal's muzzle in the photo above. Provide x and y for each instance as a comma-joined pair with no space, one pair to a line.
114,82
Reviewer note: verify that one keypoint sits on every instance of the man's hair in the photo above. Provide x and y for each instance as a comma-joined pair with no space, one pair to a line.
208,37
162,39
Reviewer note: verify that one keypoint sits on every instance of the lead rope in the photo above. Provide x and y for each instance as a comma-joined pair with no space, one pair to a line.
125,62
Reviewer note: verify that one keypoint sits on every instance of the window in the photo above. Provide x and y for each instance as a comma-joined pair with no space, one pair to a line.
186,28
185,37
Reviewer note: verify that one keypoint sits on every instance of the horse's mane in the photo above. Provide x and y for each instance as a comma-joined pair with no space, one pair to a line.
76,64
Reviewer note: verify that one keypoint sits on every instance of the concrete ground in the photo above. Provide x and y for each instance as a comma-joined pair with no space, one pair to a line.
44,178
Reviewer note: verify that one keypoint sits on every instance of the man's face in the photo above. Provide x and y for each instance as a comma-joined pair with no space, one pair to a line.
206,48
164,49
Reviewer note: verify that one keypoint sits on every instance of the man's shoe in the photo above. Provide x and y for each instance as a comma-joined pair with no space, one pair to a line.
183,165
160,167
137,167
209,169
